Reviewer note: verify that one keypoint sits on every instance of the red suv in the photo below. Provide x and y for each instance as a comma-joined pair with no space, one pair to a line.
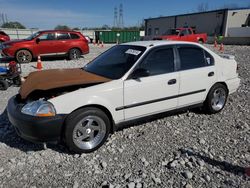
47,43
4,37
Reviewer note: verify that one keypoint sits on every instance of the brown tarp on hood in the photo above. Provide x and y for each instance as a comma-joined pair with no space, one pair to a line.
56,78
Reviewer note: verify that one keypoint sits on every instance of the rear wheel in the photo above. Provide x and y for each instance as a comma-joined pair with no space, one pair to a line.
86,130
74,53
23,56
4,85
216,99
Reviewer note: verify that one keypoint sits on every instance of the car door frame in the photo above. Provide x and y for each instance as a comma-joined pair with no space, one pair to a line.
202,91
45,47
128,77
62,44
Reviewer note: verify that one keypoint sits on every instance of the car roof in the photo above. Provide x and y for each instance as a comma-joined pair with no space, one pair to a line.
71,31
152,43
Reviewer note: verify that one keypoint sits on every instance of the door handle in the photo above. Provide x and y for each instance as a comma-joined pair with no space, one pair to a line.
172,82
210,74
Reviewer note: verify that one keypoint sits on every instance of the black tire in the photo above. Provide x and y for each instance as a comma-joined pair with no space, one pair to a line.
81,124
216,99
23,56
74,53
201,41
4,85
17,81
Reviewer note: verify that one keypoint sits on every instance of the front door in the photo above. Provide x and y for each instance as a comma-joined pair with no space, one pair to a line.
158,91
46,45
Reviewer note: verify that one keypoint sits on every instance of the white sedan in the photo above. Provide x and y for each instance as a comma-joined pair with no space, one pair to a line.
127,82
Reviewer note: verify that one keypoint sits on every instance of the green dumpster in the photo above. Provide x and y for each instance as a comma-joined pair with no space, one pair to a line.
117,36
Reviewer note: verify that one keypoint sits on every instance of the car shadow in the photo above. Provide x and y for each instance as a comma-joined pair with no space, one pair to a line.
9,137
223,165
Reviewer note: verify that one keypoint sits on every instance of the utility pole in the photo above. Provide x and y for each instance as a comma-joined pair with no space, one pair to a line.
115,18
121,22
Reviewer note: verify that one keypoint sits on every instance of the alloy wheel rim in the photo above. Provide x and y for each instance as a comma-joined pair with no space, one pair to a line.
219,99
23,56
89,132
74,53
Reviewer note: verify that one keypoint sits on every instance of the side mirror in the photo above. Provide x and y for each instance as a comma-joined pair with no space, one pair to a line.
38,40
139,73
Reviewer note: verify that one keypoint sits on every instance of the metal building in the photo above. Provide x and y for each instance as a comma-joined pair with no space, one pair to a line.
225,22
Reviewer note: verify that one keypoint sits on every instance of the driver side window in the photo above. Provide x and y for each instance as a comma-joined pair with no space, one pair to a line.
159,62
47,36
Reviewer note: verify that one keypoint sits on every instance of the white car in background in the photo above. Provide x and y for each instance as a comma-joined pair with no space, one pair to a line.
125,83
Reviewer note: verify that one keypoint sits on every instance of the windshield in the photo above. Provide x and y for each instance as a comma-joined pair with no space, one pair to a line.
115,62
34,35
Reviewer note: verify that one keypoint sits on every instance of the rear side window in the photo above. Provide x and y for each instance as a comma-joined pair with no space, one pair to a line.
74,36
191,58
209,58
63,36
159,62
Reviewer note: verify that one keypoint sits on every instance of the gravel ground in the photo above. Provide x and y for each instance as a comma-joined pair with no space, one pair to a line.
187,149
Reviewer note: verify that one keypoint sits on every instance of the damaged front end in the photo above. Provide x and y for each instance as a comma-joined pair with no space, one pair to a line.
37,104
30,112
41,86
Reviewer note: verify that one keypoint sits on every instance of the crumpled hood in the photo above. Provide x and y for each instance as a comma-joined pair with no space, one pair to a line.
57,78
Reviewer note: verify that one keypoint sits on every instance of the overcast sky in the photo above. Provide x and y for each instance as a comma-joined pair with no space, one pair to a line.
46,14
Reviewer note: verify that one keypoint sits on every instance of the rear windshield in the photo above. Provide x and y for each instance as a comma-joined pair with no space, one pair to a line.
115,62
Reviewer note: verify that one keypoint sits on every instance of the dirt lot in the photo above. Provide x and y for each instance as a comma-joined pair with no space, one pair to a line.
188,149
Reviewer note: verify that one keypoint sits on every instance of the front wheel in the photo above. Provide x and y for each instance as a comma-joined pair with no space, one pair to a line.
74,54
86,130
216,99
23,56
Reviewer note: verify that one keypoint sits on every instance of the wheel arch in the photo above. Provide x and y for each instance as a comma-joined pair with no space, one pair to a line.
201,40
104,109
221,82
78,48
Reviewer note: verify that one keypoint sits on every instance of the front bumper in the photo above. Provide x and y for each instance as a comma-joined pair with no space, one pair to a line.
34,129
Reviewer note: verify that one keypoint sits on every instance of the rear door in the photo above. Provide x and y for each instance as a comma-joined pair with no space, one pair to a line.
156,92
197,74
63,41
